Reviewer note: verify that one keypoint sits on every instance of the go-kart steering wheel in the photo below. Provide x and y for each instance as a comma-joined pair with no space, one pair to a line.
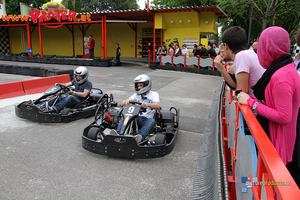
63,86
139,103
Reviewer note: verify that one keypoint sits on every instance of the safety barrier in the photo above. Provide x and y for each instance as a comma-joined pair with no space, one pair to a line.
41,84
235,165
13,89
19,88
194,64
254,168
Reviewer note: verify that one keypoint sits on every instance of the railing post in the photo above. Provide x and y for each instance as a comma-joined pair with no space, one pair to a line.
198,62
184,60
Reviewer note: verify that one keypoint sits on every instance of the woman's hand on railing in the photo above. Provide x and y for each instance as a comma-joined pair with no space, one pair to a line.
242,98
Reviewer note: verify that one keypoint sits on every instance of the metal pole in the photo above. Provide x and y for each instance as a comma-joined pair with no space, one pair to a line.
41,43
29,37
103,54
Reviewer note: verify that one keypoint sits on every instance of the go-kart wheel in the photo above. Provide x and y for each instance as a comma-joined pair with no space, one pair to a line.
63,86
160,139
93,133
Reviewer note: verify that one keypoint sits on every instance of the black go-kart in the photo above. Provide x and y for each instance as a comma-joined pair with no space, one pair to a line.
35,110
159,142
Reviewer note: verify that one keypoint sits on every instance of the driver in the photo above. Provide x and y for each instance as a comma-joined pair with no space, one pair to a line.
82,88
149,100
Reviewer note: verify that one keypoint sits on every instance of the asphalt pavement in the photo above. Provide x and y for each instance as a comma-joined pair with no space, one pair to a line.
47,161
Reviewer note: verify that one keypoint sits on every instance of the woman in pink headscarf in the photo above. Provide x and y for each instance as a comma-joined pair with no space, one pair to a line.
277,92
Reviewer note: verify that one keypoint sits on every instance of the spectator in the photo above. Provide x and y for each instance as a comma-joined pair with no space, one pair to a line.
171,49
203,50
211,51
216,48
185,51
254,47
118,53
178,49
91,44
159,51
163,52
150,50
246,66
277,93
196,51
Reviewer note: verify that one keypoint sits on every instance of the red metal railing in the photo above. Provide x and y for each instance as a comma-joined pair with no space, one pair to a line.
270,166
185,58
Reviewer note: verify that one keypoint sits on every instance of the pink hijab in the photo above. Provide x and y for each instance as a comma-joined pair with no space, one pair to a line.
273,43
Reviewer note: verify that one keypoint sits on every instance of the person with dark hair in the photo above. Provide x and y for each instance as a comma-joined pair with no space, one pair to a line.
118,53
196,51
277,95
91,46
171,50
203,50
211,51
246,66
217,50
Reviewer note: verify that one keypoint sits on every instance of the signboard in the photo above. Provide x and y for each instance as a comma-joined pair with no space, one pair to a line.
29,51
149,32
50,10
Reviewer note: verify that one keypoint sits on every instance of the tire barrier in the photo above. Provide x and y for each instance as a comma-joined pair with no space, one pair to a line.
53,59
185,69
209,182
34,71
13,89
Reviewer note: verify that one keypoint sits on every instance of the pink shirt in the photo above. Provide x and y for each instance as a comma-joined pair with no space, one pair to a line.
171,51
247,61
282,96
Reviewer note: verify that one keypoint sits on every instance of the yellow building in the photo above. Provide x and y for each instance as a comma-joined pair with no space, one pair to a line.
132,29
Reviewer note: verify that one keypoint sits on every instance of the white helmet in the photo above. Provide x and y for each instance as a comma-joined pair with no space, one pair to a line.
81,71
142,79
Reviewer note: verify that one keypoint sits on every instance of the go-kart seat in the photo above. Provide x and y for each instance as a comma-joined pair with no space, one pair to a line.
91,98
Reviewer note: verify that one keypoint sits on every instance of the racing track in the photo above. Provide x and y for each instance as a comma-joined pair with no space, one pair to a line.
46,161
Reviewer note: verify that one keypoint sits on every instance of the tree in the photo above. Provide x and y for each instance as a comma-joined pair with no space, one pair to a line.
13,6
177,3
97,5
77,6
266,13
70,4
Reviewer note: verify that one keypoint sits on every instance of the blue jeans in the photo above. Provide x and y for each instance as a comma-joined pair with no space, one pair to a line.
68,101
145,125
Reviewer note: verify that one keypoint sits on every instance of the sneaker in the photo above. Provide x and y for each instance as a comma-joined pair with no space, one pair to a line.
113,132
138,138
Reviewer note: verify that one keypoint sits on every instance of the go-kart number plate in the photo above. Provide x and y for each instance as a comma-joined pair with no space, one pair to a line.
130,109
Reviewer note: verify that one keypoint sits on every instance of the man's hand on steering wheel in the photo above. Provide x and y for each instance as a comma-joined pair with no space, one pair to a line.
144,105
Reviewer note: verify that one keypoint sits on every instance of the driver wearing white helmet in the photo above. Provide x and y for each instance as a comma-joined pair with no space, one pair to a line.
149,100
82,88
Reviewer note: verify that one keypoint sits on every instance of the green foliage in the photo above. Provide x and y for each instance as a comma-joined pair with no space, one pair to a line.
13,6
77,6
177,3
96,5
70,4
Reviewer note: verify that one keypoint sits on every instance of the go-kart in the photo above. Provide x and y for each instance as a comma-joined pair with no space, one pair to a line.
35,110
159,142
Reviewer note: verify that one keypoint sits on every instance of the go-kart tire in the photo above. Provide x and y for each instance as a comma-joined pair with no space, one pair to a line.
160,139
93,132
